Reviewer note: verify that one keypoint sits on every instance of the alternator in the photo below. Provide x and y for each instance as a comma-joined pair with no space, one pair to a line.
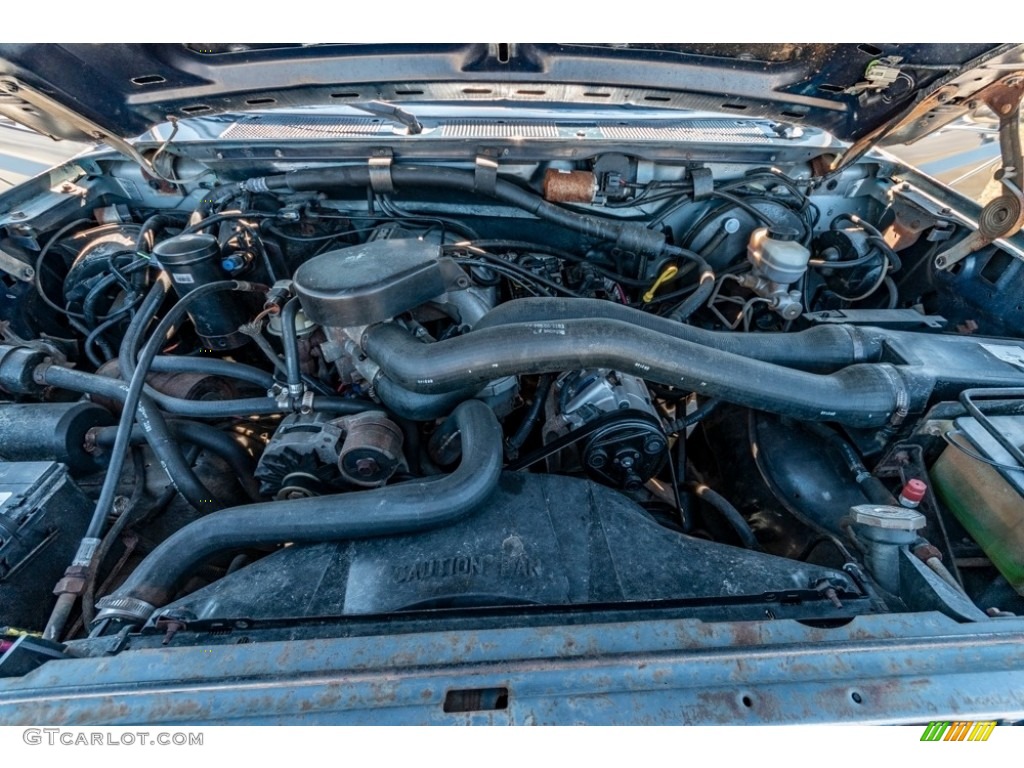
312,454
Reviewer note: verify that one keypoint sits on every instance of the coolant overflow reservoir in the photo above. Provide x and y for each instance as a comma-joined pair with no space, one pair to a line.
777,255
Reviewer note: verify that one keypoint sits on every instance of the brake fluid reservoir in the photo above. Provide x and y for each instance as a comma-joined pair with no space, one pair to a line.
777,255
987,499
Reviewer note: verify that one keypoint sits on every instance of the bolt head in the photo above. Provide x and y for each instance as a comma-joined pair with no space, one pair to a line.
654,446
366,467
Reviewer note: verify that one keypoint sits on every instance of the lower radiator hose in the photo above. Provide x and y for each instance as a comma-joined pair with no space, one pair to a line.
409,507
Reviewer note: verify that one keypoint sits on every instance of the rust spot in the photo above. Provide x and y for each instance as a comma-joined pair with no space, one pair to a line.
746,633
569,186
902,234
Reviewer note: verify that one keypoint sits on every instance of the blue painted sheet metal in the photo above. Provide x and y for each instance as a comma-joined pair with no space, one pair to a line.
895,668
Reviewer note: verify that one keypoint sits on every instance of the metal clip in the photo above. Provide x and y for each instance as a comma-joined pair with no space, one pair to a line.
380,174
279,394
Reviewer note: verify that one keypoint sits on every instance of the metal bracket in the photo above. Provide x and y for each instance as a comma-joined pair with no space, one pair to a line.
1003,216
380,173
17,269
881,318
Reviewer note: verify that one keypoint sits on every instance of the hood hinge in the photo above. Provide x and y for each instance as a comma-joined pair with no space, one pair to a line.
1004,215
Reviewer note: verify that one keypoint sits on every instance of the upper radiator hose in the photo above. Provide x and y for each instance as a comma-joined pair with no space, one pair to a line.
867,395
820,348
417,505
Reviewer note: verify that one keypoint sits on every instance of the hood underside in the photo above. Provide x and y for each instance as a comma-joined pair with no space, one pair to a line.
101,91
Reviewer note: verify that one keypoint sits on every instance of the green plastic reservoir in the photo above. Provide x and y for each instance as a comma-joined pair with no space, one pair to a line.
987,500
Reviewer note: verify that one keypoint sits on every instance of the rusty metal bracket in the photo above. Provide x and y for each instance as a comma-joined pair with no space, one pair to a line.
1004,215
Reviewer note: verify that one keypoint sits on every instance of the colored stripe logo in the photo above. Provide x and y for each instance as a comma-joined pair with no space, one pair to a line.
962,730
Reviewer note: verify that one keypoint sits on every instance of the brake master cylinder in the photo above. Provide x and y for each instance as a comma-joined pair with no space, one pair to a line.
777,261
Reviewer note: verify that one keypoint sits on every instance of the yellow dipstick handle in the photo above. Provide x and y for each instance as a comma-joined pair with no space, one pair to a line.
669,272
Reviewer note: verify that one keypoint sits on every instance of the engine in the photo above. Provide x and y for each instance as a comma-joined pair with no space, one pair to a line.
330,393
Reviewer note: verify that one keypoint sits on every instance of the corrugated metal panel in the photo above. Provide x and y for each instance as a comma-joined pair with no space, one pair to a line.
305,129
713,130
484,129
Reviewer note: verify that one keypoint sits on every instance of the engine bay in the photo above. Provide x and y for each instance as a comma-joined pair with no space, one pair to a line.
291,395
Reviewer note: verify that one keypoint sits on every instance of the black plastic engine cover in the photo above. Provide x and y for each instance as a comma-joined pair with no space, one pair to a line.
369,283
542,539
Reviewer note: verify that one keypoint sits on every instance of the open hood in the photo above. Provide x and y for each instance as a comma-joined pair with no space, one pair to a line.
856,92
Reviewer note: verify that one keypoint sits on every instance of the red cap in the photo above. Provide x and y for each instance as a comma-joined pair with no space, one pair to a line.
914,491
